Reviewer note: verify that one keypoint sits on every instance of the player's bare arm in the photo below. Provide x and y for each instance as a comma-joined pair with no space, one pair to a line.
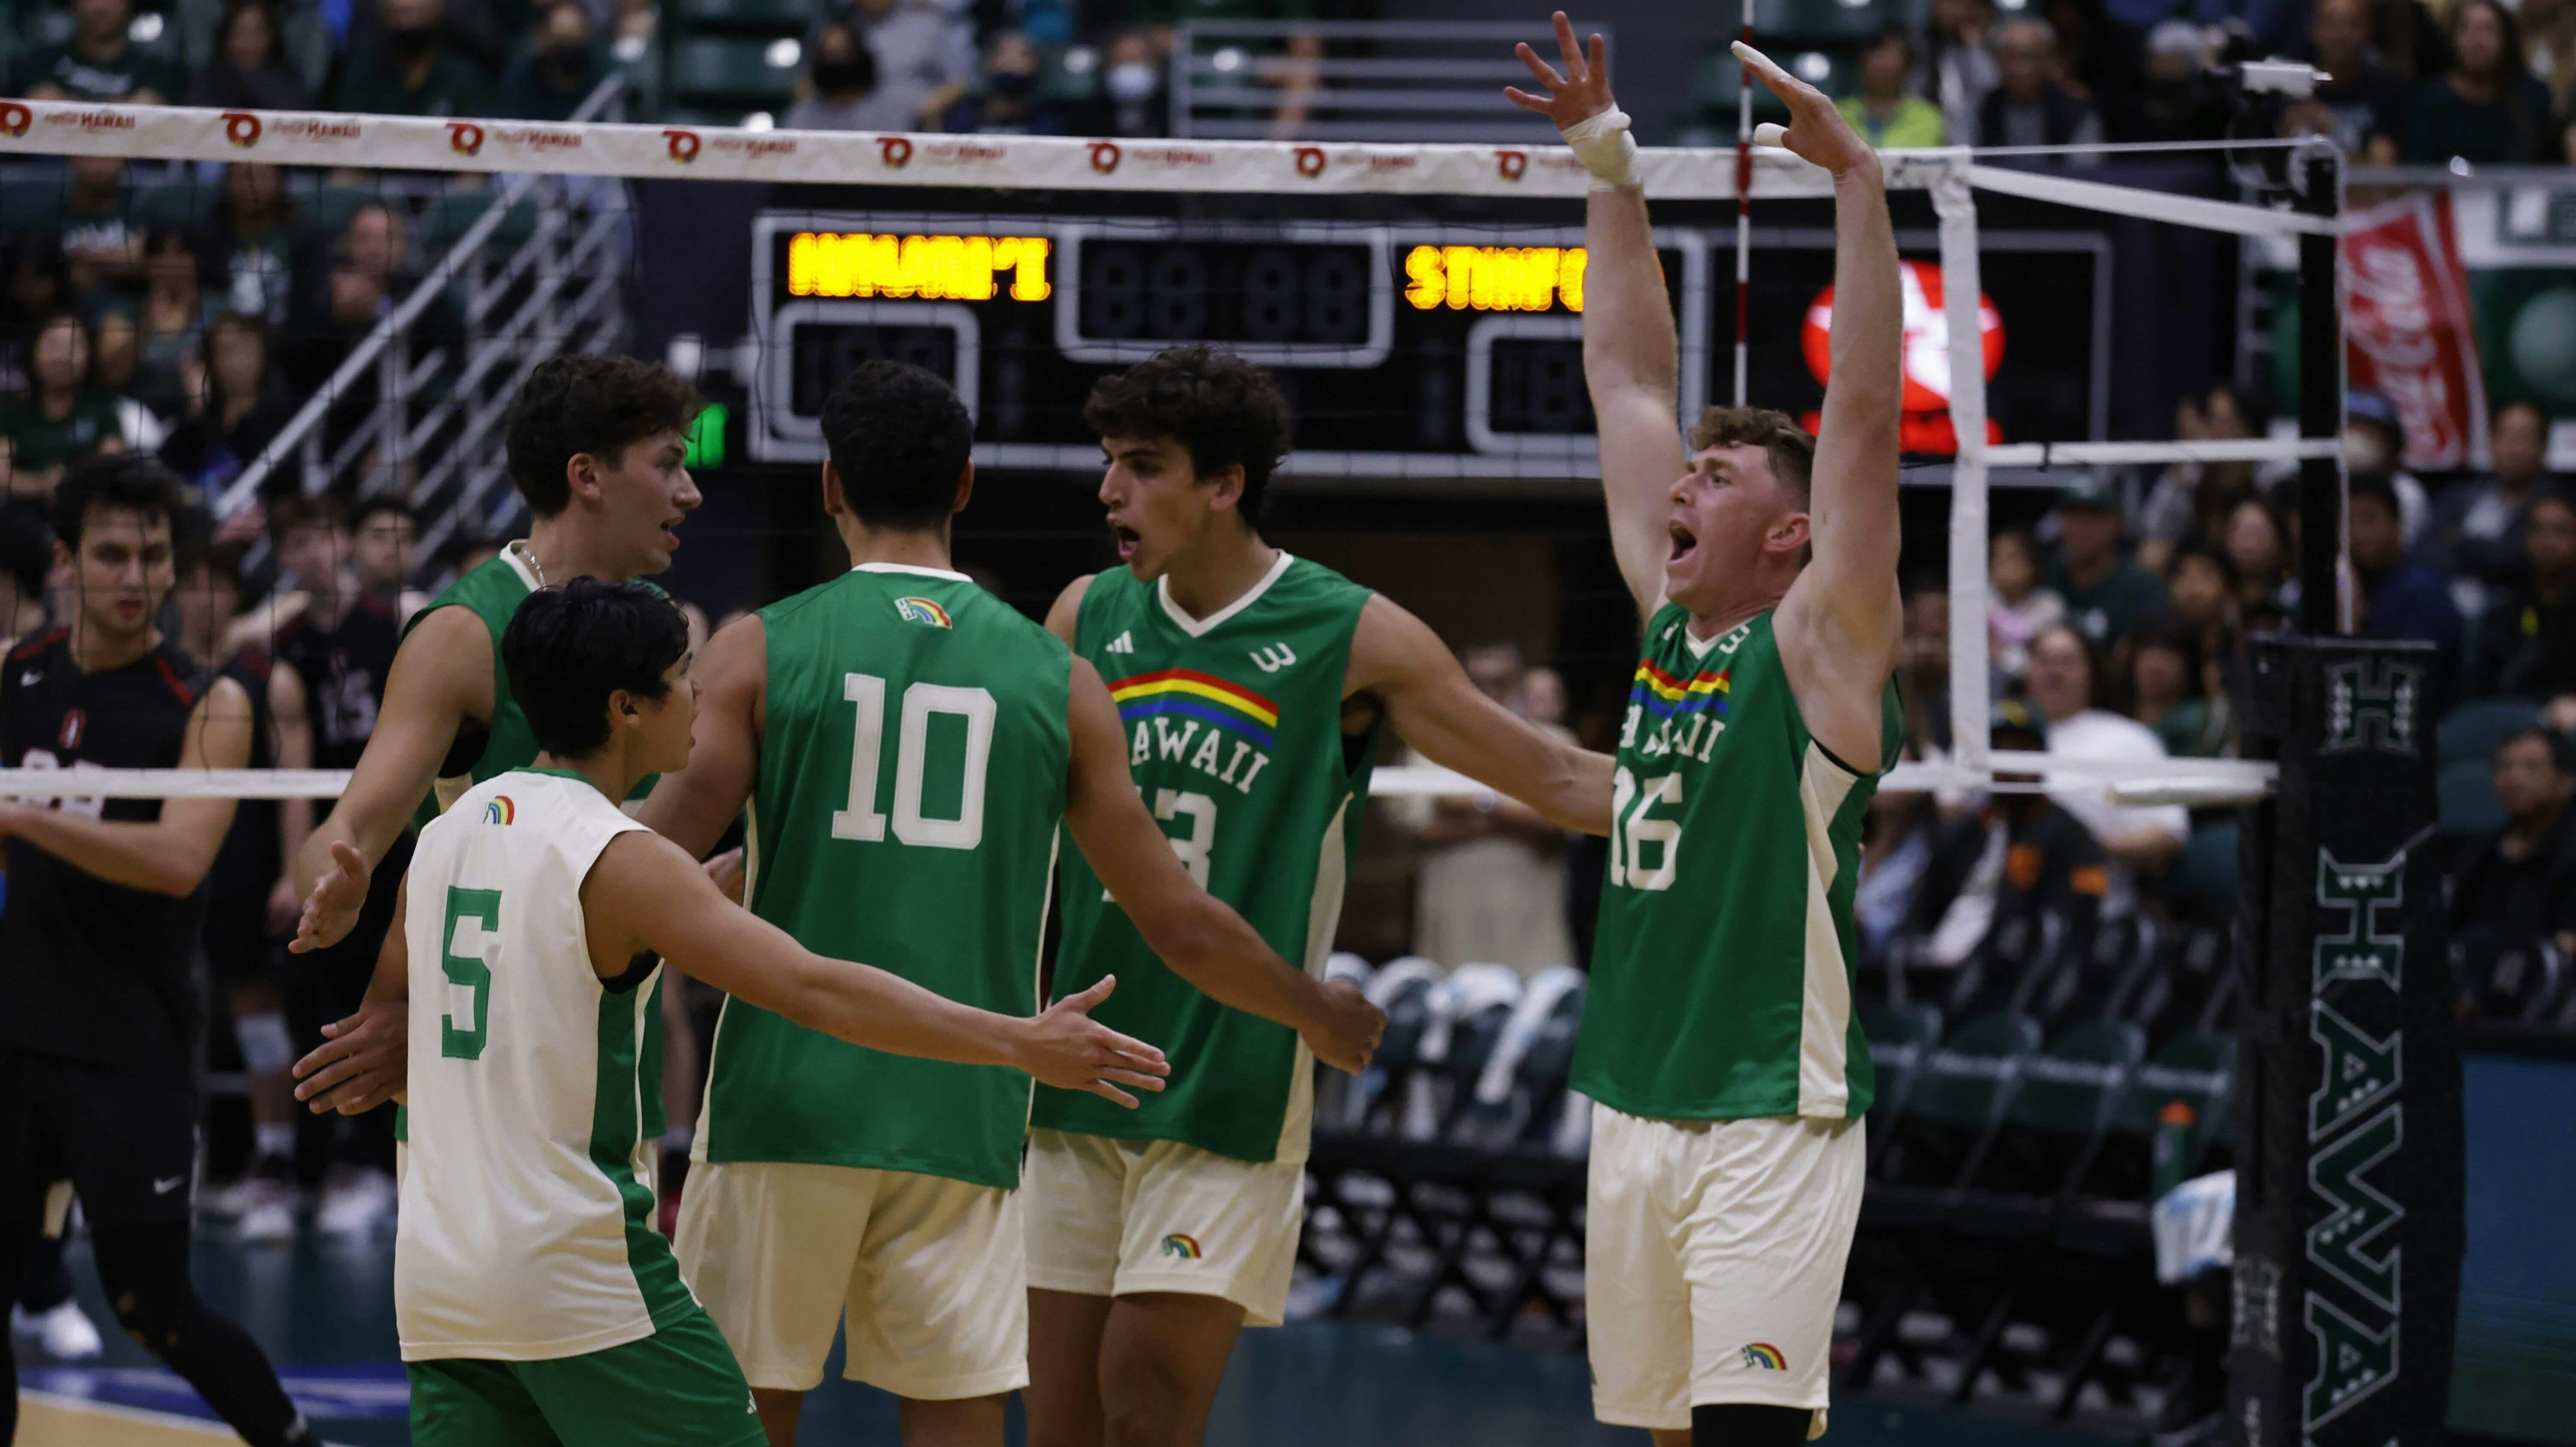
646,893
291,730
441,679
1067,607
1435,707
169,855
1631,354
360,1063
1841,620
1198,935
695,806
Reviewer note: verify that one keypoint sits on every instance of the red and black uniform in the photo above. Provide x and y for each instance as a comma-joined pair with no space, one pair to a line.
238,948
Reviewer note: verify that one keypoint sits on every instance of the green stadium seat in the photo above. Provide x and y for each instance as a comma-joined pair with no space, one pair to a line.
770,17
2196,1068
455,211
2471,732
706,71
1901,1038
2205,875
330,207
2068,1092
31,204
1068,74
2466,795
174,203
1959,1097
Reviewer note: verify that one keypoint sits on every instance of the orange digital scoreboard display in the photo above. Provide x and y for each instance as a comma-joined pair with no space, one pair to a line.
934,267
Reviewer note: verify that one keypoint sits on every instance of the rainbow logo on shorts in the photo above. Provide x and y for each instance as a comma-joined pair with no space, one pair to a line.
499,810
922,611
1200,696
1666,696
1765,1356
1184,1247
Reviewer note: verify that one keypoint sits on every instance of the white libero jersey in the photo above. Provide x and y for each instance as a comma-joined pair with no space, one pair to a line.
523,1232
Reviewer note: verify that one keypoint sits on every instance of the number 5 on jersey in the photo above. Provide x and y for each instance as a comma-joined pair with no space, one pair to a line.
861,821
466,968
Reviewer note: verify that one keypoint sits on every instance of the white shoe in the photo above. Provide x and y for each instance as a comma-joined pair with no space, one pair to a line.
65,1332
356,1203
269,1212
229,1200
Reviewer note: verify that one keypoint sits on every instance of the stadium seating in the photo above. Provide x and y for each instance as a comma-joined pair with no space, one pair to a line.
1959,1101
2466,795
2471,732
720,72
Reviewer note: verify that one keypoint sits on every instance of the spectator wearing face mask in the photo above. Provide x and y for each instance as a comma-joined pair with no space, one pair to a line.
549,81
1006,106
1131,101
411,67
840,81
101,63
2374,441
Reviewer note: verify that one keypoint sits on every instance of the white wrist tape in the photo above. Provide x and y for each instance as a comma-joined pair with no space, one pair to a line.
1602,143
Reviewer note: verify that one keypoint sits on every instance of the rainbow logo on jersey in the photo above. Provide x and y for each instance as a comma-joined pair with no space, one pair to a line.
1200,696
924,612
499,810
1666,696
1185,1248
1764,1356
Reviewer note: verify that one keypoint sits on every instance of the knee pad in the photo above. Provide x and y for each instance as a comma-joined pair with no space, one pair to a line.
264,1046
157,1317
1744,1424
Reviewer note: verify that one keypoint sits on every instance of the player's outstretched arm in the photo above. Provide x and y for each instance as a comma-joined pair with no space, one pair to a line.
695,806
1842,616
361,1061
1198,935
169,855
644,893
1630,352
441,677
292,730
1438,710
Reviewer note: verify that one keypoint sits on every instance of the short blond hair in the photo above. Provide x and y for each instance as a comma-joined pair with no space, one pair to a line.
1791,451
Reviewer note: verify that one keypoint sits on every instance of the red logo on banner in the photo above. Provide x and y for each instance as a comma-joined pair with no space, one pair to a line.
896,150
1926,423
1511,164
2407,327
241,128
464,137
15,118
684,145
1104,156
1310,161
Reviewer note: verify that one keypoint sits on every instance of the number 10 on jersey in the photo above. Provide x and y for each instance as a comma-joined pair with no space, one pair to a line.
860,820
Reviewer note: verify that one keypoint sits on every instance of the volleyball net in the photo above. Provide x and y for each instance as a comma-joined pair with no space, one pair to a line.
1420,303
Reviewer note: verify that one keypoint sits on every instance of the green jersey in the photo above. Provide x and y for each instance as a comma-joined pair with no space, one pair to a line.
1722,973
492,593
913,765
1235,738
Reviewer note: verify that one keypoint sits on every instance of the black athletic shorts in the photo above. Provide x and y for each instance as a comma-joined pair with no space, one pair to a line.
125,1139
239,951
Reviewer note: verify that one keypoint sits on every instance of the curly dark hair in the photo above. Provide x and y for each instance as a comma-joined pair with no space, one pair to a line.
575,404
126,480
1223,409
1791,450
900,439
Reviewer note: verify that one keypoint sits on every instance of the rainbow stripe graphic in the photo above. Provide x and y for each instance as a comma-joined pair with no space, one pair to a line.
1184,1247
924,611
1666,696
1765,1356
499,810
1200,696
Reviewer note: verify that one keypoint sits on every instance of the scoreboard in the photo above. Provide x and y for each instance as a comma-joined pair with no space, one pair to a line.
1409,349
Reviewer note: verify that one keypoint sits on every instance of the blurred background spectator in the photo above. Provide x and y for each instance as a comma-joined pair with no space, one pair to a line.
2363,105
2191,499
233,405
1956,70
1008,103
2526,644
412,66
840,86
1132,101
1923,661
1492,883
101,62
925,60
2257,543
2106,592
249,70
101,244
2374,445
2065,680
2475,533
2400,598
62,418
169,325
1883,110
2169,690
2513,895
2031,105
562,64
2020,609
2487,106
250,243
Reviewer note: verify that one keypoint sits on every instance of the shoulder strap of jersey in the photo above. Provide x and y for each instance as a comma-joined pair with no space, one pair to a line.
1104,593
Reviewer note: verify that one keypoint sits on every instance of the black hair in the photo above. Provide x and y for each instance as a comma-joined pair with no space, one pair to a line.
2377,486
2211,554
26,551
1895,34
120,479
2562,749
569,647
382,502
900,440
2168,632
575,404
1222,409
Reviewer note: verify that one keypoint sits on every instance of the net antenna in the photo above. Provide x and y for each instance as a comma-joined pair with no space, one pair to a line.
1744,212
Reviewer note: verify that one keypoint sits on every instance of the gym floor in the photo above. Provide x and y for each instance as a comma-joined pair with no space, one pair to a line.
324,1310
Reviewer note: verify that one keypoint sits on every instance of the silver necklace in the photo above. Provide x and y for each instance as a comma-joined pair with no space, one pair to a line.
525,555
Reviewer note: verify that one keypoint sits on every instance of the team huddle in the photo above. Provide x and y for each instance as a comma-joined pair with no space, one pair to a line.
1084,1200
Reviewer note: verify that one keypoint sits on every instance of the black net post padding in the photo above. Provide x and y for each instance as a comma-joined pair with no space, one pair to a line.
2348,1176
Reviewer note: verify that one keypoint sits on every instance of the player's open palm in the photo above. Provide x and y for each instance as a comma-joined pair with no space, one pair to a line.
332,909
1071,1051
1580,93
1351,1026
1817,131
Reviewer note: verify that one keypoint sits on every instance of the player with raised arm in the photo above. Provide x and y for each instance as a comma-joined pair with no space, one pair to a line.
1718,1039
595,448
537,1307
909,744
99,1018
1251,688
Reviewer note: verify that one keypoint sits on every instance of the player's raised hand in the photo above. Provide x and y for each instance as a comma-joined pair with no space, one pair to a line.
1347,1034
331,911
1581,92
361,1061
1068,1049
1817,131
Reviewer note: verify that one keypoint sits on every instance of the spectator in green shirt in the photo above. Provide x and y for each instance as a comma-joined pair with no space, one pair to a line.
413,69
2107,594
101,63
61,420
1884,113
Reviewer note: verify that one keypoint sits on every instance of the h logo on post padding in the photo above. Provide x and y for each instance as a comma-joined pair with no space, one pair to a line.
2370,704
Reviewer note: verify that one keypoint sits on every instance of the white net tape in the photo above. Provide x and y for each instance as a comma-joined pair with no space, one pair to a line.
1269,168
